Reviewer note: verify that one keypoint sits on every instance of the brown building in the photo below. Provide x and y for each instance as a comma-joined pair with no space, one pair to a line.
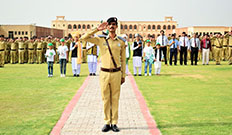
130,28
17,31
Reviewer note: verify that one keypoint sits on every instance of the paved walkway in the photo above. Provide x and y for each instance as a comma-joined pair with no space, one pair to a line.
86,115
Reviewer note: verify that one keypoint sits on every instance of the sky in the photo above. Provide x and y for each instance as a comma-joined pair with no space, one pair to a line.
185,12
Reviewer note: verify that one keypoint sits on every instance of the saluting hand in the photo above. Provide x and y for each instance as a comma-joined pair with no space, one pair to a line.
102,26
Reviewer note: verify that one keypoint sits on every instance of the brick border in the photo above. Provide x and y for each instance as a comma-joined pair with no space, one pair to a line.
68,110
146,113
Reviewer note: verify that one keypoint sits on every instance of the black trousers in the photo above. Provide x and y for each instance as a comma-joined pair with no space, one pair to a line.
194,55
183,51
164,52
173,52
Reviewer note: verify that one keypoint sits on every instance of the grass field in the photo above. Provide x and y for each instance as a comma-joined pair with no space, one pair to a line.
190,100
30,102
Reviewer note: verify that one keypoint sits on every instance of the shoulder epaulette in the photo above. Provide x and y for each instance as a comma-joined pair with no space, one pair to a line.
102,36
123,39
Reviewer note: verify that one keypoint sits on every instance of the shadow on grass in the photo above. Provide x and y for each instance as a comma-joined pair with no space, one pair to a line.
195,125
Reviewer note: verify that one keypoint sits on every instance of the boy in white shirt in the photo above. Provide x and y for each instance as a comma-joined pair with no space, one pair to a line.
157,59
50,54
148,54
63,57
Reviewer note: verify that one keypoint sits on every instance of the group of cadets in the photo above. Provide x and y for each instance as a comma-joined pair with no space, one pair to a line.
167,48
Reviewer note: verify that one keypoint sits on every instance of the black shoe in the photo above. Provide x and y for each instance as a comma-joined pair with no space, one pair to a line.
74,75
90,74
135,75
77,75
115,128
140,75
106,128
94,74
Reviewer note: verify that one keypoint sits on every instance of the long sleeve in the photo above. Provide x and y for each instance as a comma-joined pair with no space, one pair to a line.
134,48
72,47
88,37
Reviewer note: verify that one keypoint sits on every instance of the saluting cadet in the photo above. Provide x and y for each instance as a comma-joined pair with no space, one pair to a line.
75,46
137,48
174,45
31,49
112,75
21,50
184,45
206,48
39,51
163,40
195,47
13,51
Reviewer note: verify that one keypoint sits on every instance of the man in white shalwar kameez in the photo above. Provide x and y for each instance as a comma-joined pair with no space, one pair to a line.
92,54
76,68
137,48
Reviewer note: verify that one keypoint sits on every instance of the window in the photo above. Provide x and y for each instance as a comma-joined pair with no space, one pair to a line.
169,27
130,27
121,26
88,26
26,33
63,25
135,27
173,26
125,27
164,27
158,27
54,25
79,26
153,27
15,32
149,27
74,26
22,32
130,36
83,26
69,26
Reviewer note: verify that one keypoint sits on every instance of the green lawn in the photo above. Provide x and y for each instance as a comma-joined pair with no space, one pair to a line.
30,102
190,100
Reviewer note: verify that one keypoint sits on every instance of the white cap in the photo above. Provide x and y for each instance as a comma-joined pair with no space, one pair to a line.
136,35
124,36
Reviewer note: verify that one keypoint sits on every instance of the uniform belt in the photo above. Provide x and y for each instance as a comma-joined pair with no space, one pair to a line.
218,47
230,46
13,49
2,49
21,48
39,48
213,45
225,45
83,47
110,70
30,48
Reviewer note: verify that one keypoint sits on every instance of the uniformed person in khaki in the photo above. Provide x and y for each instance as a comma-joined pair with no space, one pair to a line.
218,43
230,49
13,51
21,50
112,73
39,51
224,50
2,52
31,51
7,51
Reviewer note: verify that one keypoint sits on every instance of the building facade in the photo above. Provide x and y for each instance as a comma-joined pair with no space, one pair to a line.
144,28
18,31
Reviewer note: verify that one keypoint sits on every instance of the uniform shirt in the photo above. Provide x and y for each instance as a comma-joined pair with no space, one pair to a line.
184,42
195,42
175,44
230,40
163,40
90,45
62,50
117,46
218,42
50,55
149,52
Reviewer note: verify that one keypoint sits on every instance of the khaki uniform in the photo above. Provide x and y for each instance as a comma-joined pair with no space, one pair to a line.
212,52
31,52
218,44
225,48
7,52
230,50
21,51
110,81
13,52
44,48
39,52
26,51
2,53
84,52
